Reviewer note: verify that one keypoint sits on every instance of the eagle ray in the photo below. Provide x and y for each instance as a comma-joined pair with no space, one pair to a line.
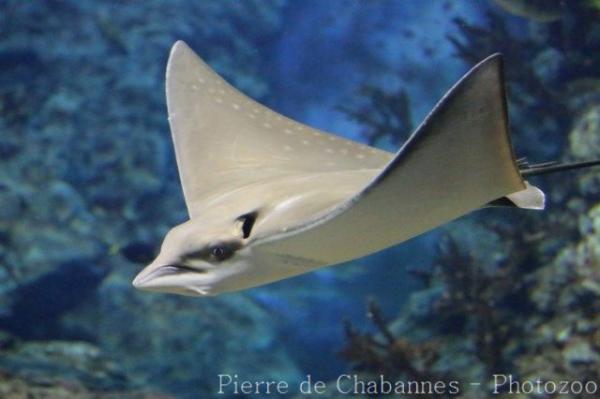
270,198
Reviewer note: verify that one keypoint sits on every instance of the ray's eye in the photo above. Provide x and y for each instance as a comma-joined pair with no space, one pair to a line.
219,253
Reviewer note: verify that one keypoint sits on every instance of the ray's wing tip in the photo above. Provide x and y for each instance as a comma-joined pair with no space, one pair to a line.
179,47
494,61
180,66
180,54
494,56
179,50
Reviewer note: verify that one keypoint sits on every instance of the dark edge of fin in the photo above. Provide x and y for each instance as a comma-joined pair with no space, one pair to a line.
495,60
552,167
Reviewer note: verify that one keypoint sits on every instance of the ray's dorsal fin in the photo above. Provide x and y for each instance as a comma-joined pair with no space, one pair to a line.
459,159
225,140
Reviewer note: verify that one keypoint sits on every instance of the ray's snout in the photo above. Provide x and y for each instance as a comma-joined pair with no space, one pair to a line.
147,277
162,278
138,281
170,278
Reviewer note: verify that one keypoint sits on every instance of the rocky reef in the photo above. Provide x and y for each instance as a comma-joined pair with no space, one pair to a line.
80,212
512,292
473,320
61,369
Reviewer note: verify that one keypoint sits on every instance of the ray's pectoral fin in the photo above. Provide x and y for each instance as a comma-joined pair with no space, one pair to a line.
458,160
224,140
529,198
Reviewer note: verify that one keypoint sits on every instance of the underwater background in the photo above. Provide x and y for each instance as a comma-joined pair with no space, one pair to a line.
89,187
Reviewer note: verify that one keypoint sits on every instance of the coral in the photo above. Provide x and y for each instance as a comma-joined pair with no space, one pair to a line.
515,293
389,355
584,143
583,138
64,370
533,320
472,303
566,293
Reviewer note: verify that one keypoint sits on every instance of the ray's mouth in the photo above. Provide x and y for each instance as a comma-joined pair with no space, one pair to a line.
184,269
142,279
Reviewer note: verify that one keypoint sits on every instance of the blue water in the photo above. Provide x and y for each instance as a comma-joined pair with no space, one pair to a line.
89,187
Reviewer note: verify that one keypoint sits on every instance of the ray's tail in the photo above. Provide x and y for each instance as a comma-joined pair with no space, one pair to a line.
528,170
